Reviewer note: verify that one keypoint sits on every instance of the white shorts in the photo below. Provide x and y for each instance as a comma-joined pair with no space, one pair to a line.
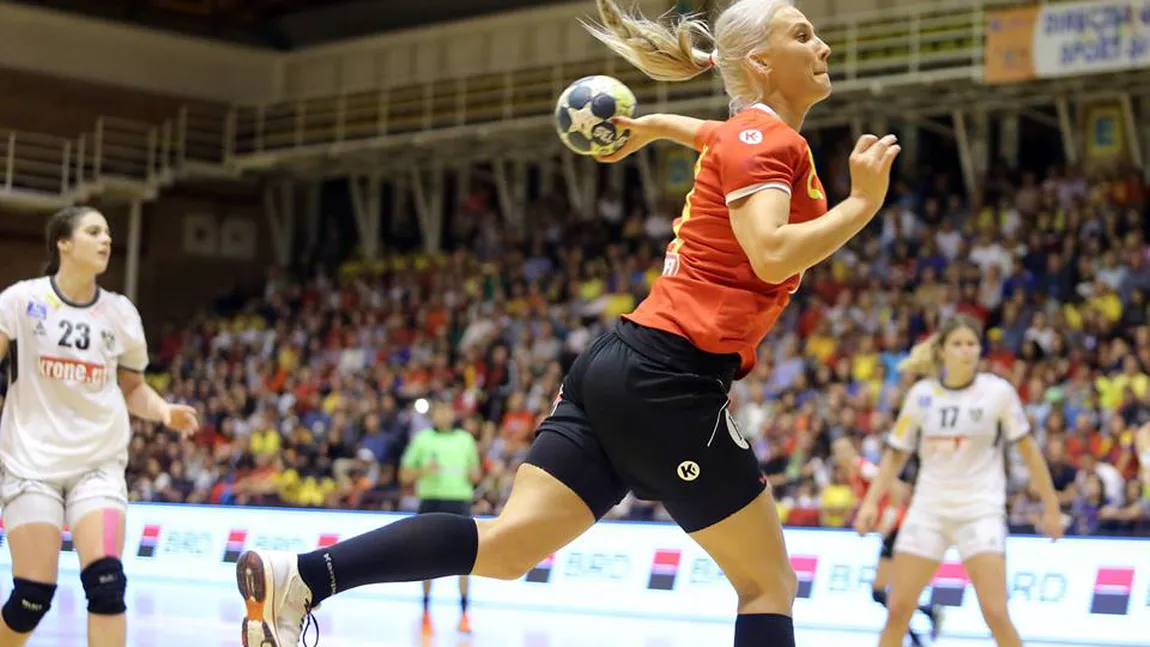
58,501
929,535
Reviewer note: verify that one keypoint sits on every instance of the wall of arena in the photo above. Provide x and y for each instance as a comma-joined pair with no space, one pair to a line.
175,280
61,45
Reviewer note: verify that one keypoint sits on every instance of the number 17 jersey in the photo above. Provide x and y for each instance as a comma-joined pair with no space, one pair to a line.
65,413
961,437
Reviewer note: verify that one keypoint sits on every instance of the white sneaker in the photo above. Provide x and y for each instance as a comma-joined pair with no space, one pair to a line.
276,598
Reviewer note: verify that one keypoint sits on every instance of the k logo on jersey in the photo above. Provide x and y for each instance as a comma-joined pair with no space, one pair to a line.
109,340
751,136
976,414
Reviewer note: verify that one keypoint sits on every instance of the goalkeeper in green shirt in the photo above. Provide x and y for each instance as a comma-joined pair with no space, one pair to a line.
443,463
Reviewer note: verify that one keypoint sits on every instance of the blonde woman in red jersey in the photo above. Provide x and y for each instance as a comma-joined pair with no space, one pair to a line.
644,408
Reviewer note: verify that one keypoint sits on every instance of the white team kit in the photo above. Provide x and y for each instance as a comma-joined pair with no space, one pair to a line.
961,437
65,429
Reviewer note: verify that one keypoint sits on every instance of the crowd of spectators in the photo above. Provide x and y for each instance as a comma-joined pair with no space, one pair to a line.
310,391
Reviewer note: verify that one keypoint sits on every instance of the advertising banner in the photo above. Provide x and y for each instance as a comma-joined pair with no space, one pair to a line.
1066,39
1076,591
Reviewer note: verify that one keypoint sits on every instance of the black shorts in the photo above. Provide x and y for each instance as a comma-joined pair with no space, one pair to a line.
461,508
646,411
888,545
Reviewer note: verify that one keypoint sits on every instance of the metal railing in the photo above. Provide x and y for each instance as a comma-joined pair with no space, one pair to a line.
36,163
128,153
129,150
901,46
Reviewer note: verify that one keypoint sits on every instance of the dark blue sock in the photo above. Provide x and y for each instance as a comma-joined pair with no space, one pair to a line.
764,630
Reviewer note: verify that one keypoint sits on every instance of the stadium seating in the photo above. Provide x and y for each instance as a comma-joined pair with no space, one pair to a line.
309,390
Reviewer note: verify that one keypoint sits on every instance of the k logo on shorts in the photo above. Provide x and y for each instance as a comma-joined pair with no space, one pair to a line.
689,470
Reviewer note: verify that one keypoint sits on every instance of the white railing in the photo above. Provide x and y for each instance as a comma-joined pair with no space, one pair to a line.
36,163
937,42
906,45
131,154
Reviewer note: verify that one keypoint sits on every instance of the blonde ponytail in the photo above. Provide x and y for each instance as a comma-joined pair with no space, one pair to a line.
689,47
923,358
662,52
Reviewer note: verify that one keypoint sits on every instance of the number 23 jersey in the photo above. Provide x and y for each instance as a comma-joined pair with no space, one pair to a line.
961,437
65,413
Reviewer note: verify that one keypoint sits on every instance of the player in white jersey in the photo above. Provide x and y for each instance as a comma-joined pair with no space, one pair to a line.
959,421
76,356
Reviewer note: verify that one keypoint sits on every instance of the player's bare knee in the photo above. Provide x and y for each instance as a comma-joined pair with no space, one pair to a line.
771,591
27,605
104,585
507,566
901,607
503,553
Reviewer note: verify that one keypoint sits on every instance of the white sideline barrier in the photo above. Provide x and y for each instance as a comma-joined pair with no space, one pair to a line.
1078,591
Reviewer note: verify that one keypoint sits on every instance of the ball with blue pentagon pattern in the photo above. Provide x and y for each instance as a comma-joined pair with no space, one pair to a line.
584,110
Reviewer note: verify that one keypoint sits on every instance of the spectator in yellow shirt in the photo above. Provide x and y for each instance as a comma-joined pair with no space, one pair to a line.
1111,389
865,362
821,344
266,439
837,501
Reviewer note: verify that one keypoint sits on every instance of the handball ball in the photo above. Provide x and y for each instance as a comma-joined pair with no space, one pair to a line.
584,109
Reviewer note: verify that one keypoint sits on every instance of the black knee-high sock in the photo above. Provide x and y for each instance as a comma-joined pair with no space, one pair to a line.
426,602
764,630
463,603
423,547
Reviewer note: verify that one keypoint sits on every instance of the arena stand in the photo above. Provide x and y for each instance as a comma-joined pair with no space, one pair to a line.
309,390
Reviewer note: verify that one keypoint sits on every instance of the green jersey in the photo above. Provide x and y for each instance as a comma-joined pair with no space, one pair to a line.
453,453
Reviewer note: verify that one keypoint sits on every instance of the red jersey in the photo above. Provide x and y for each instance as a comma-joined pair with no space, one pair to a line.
708,292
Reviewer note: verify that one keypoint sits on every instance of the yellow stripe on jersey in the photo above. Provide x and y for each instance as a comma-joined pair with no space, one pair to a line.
813,191
901,427
677,244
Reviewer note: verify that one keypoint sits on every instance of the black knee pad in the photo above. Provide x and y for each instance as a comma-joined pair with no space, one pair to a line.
27,604
104,584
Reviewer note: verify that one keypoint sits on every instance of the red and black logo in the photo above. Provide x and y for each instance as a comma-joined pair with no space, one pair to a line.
1112,588
949,586
805,567
665,570
541,574
148,541
235,545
